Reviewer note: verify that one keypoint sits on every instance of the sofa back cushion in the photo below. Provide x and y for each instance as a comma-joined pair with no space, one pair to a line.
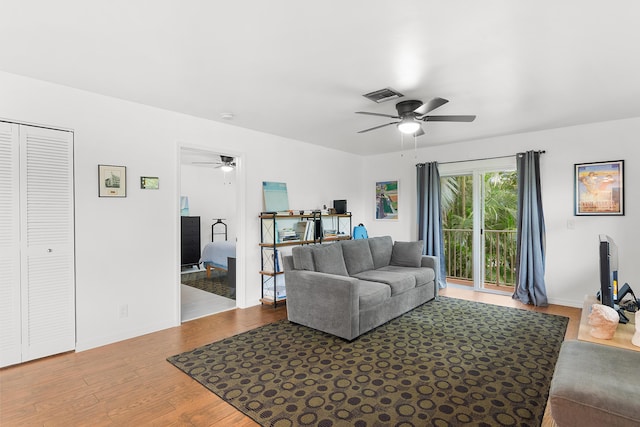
302,258
381,248
407,254
329,259
357,256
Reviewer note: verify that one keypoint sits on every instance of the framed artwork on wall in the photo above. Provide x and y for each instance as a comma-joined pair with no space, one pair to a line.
276,198
112,181
387,200
599,188
149,183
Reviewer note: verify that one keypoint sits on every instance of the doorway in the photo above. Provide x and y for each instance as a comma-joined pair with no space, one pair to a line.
209,193
479,203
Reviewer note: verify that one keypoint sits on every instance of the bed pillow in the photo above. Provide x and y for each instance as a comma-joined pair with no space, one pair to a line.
328,259
407,254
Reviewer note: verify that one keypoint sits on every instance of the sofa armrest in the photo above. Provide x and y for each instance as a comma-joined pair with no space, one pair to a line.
434,263
326,302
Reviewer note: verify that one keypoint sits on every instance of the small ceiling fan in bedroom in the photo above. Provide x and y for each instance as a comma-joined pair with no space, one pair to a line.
226,163
412,113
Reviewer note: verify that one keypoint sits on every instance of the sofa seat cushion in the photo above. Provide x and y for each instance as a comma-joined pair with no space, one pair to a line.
398,282
357,256
371,294
423,275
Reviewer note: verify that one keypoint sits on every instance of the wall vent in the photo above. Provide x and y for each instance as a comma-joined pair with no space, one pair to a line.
382,95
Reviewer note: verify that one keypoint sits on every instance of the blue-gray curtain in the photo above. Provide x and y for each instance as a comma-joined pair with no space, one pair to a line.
530,255
430,215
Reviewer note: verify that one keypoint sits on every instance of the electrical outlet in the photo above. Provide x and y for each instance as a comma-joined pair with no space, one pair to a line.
124,311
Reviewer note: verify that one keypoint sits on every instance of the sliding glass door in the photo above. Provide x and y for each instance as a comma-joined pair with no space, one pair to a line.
479,202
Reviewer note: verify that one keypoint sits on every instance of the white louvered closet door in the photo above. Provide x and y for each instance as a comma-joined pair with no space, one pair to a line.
47,242
10,329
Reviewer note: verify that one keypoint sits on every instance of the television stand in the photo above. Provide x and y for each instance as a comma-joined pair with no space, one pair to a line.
622,337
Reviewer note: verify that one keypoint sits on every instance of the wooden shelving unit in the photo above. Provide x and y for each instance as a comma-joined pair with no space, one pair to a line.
275,228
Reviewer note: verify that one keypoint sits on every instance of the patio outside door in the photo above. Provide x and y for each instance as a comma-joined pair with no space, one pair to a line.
479,224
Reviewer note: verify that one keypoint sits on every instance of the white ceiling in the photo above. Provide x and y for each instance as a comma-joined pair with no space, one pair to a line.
298,69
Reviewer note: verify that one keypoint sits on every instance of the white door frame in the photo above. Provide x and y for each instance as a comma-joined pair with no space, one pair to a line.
241,228
477,169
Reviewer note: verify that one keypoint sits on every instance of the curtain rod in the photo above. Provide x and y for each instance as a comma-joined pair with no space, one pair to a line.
484,158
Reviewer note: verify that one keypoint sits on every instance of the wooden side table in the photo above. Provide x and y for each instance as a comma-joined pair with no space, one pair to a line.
622,337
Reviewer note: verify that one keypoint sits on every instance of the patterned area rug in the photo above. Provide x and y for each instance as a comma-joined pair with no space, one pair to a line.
216,284
448,362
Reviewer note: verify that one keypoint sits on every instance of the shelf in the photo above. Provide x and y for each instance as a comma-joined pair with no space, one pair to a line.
269,301
274,225
304,242
270,216
271,273
305,216
287,243
334,238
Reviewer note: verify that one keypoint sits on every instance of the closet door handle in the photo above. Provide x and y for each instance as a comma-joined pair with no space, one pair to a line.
49,250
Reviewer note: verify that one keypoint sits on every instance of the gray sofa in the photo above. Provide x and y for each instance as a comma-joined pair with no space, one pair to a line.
595,385
350,287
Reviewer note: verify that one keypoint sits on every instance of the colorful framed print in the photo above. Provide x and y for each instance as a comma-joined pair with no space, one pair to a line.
387,200
599,188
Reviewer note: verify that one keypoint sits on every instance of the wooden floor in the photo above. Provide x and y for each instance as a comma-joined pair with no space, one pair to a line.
131,383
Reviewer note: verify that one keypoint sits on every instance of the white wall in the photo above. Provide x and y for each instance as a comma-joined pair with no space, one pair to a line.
572,254
212,194
127,249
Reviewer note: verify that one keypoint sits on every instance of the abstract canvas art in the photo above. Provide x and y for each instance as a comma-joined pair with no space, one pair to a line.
387,200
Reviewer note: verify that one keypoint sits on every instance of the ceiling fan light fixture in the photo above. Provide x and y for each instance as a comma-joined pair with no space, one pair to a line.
408,125
226,168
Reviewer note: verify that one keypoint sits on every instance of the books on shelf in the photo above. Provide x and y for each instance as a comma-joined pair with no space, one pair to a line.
304,230
287,235
280,293
272,260
274,289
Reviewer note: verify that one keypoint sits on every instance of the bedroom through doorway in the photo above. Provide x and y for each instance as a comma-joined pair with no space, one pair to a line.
208,232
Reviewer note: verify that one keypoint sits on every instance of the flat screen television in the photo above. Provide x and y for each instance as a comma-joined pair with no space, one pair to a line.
610,294
608,271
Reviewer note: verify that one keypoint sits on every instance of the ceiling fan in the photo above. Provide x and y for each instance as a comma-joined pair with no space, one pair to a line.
226,163
412,113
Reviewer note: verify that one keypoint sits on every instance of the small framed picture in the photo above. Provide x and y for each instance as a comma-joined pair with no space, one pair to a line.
599,188
112,181
149,182
387,200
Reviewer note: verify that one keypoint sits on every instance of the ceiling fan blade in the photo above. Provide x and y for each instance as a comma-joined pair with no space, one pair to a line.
419,132
430,106
377,114
448,118
377,127
205,163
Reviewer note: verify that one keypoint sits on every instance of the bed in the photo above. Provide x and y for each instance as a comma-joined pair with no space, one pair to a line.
215,255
